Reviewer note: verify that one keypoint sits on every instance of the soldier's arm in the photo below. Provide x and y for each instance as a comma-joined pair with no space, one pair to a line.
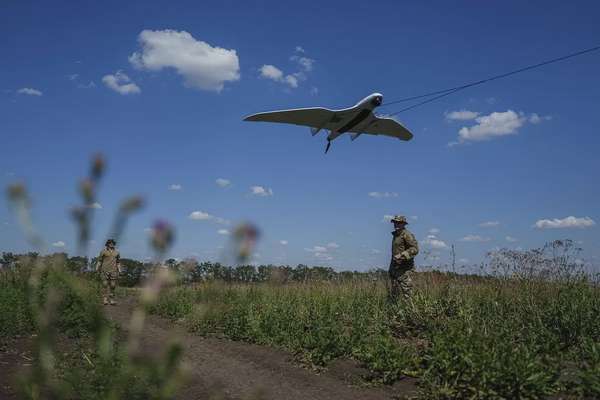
99,261
412,245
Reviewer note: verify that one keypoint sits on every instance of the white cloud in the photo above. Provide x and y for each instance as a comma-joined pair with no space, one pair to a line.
463,260
474,238
223,182
200,216
496,124
223,232
434,231
291,80
379,195
489,224
60,244
222,221
568,222
73,77
89,85
273,73
120,83
204,216
462,115
96,206
333,245
30,91
317,249
305,63
435,243
261,191
175,187
323,256
536,119
283,242
510,239
202,66
493,125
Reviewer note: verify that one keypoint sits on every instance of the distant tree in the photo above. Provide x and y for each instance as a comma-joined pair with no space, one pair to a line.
301,273
245,273
8,260
132,272
77,264
322,273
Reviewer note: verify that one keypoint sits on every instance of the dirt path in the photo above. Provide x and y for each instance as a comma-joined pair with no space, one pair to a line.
15,357
223,369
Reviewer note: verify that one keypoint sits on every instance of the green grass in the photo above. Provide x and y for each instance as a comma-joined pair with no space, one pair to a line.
15,313
77,352
463,337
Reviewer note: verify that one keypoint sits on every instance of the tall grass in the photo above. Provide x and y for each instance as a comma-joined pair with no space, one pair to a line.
463,337
76,351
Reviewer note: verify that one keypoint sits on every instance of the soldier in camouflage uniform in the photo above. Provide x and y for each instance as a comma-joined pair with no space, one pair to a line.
109,267
404,250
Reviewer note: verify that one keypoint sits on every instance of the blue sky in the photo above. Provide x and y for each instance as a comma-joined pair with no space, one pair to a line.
161,89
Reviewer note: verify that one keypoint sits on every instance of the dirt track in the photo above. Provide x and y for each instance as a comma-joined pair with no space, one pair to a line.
222,369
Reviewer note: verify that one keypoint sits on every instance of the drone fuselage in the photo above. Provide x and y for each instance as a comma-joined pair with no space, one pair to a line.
355,118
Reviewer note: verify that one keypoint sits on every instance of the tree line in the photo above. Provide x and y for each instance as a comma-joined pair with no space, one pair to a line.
192,271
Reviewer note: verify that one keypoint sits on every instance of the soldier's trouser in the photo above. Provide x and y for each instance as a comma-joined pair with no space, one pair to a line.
400,281
109,284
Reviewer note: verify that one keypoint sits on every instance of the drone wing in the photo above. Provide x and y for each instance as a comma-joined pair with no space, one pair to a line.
313,117
387,127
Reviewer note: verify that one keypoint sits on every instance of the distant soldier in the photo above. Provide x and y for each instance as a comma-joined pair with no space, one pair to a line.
404,250
109,267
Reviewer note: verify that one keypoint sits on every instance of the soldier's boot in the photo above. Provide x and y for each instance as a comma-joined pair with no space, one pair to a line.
105,301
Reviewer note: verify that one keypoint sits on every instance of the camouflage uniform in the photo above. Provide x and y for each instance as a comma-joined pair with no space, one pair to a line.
108,267
404,250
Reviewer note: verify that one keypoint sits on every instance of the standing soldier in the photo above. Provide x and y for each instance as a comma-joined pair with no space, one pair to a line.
109,267
404,250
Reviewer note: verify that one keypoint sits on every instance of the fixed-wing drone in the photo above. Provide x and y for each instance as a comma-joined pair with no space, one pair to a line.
354,120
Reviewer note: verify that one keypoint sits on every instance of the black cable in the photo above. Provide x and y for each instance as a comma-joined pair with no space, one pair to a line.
447,92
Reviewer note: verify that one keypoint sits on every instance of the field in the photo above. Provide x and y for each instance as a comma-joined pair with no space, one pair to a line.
463,337
460,336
